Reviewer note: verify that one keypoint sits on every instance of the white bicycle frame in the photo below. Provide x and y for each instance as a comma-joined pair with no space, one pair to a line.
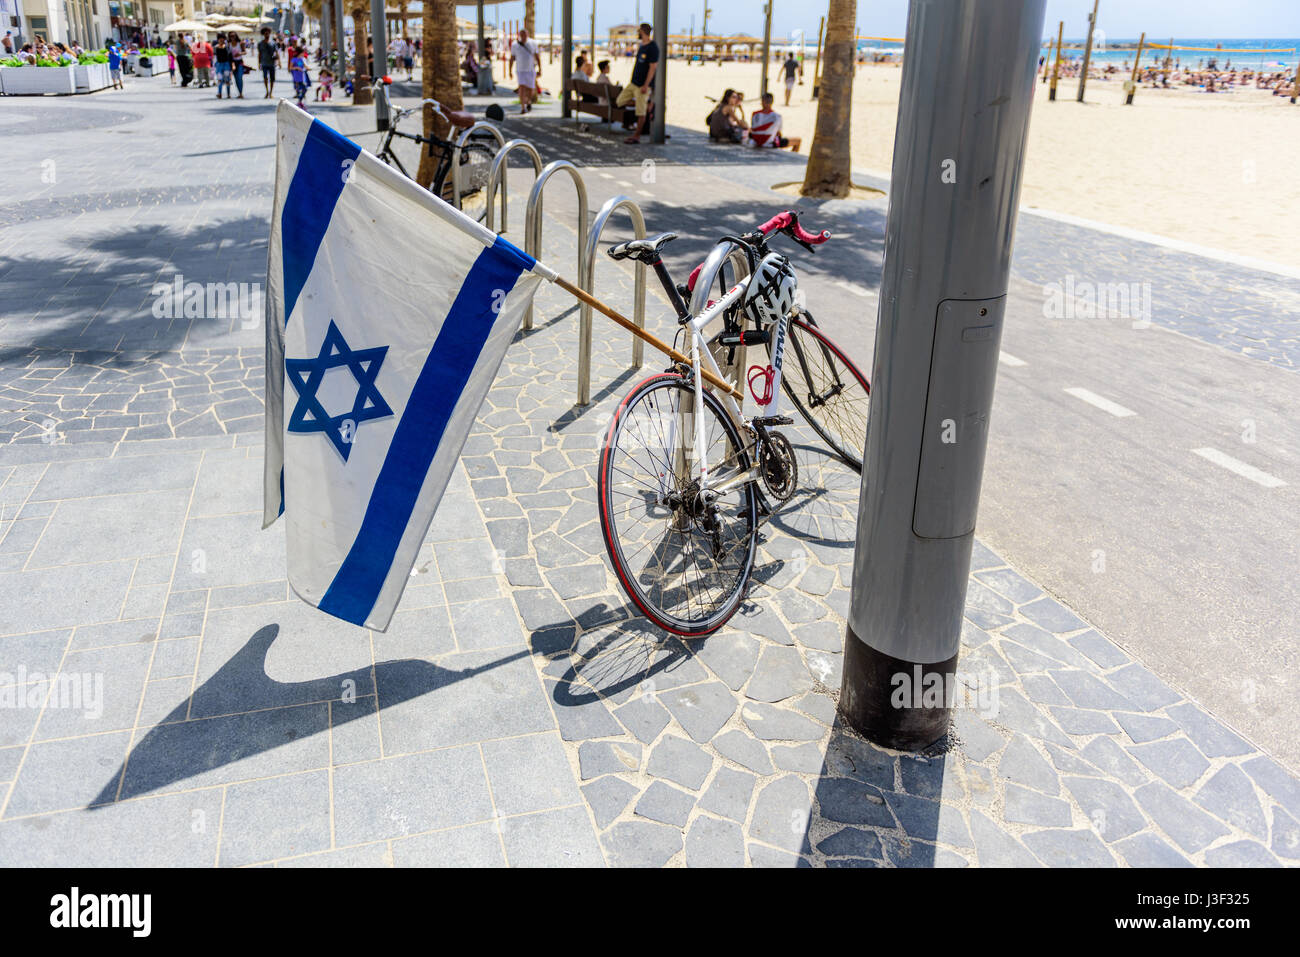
701,354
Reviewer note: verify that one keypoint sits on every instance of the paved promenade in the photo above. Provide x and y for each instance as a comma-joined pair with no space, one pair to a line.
517,711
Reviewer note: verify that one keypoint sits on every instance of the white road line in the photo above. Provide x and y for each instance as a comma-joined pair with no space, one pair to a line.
606,175
646,192
1092,398
1007,358
854,288
1241,468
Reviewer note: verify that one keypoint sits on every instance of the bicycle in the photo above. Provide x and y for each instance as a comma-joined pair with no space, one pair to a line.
682,474
475,156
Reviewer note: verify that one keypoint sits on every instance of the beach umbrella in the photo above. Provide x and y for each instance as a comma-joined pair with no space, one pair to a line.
186,26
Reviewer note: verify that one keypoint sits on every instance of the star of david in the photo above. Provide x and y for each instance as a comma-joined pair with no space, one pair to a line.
306,376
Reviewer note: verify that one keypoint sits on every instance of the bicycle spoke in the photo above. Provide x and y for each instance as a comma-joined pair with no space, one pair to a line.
828,391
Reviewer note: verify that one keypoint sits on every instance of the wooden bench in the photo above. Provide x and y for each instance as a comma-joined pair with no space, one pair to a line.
606,95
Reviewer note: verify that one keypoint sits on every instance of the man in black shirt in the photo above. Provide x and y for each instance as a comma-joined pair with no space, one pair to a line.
643,76
268,58
790,70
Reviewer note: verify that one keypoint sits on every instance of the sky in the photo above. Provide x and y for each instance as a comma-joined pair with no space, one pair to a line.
1121,19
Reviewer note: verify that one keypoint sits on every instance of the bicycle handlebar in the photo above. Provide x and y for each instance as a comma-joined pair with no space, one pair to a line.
786,222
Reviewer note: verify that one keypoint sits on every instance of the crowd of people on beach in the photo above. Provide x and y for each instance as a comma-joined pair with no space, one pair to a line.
1207,76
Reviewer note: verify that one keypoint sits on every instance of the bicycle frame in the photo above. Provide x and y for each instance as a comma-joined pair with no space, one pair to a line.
703,357
448,149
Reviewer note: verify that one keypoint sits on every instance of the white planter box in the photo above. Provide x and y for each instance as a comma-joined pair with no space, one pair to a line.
35,80
92,76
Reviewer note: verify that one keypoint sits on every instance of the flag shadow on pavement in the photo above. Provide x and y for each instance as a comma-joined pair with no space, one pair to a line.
180,747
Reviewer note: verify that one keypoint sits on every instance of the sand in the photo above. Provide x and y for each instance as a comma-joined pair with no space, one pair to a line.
1220,170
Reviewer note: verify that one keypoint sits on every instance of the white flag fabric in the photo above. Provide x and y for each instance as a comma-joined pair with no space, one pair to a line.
388,314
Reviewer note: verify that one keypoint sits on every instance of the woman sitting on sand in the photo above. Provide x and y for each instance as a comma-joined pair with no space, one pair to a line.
724,125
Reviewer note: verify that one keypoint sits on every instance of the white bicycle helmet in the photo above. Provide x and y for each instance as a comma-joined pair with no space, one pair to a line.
771,292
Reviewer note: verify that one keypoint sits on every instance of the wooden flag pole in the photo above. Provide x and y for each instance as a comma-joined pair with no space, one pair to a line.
640,333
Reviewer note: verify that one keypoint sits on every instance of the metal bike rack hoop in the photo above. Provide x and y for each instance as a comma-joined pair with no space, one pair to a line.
498,171
727,259
588,284
460,142
533,221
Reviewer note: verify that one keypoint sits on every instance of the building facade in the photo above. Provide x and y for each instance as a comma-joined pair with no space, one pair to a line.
93,22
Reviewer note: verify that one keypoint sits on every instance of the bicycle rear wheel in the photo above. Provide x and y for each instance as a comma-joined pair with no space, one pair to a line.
475,165
827,389
682,560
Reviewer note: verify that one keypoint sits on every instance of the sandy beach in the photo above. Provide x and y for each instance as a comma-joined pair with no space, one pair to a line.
1217,170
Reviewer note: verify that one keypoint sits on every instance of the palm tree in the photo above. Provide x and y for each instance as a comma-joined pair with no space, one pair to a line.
361,92
830,159
401,8
440,76
530,16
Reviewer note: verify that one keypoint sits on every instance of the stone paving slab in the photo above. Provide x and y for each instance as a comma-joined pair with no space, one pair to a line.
517,711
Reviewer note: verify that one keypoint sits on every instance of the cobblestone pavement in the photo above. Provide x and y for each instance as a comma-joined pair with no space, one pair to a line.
516,711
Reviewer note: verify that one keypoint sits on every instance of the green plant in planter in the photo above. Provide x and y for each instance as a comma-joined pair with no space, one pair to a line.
46,61
88,58
11,61
154,51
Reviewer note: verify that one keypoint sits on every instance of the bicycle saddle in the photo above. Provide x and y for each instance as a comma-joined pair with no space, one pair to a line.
459,118
646,250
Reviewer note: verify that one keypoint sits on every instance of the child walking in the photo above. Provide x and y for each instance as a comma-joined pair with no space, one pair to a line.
298,70
326,84
171,65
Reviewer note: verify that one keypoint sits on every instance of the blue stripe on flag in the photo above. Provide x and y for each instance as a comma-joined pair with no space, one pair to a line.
356,585
317,182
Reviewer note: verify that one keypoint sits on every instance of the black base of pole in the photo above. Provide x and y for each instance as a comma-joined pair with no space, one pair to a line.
1051,93
892,702
1128,100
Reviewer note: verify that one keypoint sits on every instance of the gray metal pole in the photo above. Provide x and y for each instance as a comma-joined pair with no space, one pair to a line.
660,92
325,30
342,43
963,120
1087,49
566,55
379,34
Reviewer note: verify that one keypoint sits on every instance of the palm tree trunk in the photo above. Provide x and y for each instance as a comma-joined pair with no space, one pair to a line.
440,76
530,16
830,160
362,95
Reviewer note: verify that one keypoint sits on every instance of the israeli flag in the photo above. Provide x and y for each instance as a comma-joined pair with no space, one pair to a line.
388,314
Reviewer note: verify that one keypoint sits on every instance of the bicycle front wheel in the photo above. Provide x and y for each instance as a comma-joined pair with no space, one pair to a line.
827,389
682,557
